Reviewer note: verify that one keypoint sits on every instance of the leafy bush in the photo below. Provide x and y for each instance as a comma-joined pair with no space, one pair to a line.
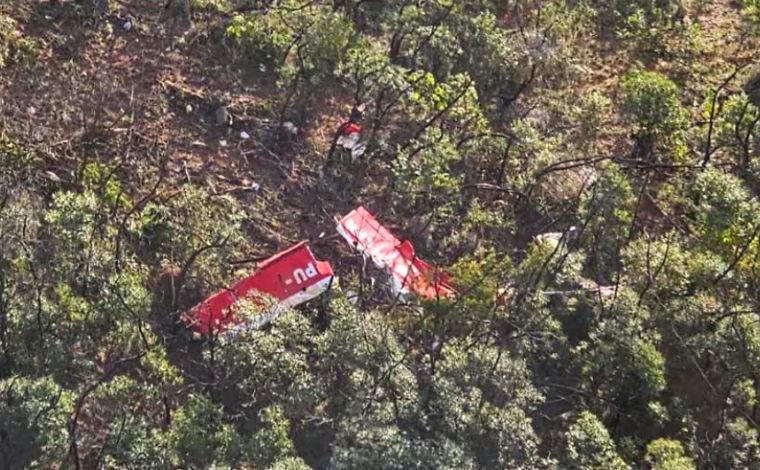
14,46
752,10
592,114
309,41
637,16
649,24
7,33
666,454
33,414
262,37
653,101
589,445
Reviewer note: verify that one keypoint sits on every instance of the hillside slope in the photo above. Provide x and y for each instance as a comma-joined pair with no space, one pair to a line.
587,171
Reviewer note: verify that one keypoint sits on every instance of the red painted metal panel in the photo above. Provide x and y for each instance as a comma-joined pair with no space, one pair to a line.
291,277
408,272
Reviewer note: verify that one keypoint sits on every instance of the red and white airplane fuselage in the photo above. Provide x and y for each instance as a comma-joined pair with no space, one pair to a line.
291,277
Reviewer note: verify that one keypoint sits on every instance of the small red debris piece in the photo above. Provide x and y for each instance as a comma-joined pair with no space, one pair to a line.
291,277
408,272
348,128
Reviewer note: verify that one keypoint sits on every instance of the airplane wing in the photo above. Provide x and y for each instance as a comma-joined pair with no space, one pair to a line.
408,272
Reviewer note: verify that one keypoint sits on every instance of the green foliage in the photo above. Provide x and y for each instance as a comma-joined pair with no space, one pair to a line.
592,114
752,10
209,5
306,41
727,213
491,128
387,448
14,46
265,38
7,38
589,446
737,127
199,435
192,227
33,414
622,359
650,24
741,449
653,101
608,208
666,454
272,444
290,463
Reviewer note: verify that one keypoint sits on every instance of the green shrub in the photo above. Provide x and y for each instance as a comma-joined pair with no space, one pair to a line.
752,10
652,25
209,5
263,38
622,14
309,41
653,101
14,47
7,38
666,454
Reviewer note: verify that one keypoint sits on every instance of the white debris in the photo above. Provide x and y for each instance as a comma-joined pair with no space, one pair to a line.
222,143
359,149
550,237
555,238
290,128
52,176
244,135
127,25
349,141
352,296
255,187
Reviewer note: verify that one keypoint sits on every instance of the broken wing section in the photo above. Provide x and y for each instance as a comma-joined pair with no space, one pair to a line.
408,273
291,277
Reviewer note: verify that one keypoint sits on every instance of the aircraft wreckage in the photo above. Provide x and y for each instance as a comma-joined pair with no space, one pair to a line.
294,276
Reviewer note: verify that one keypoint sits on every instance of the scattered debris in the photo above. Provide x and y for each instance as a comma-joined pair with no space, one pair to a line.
290,128
408,272
244,135
223,117
291,277
222,143
353,297
351,138
603,292
555,238
255,187
52,176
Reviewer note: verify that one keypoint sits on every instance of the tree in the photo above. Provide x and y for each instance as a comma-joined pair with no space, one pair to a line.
32,415
653,101
665,454
589,446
